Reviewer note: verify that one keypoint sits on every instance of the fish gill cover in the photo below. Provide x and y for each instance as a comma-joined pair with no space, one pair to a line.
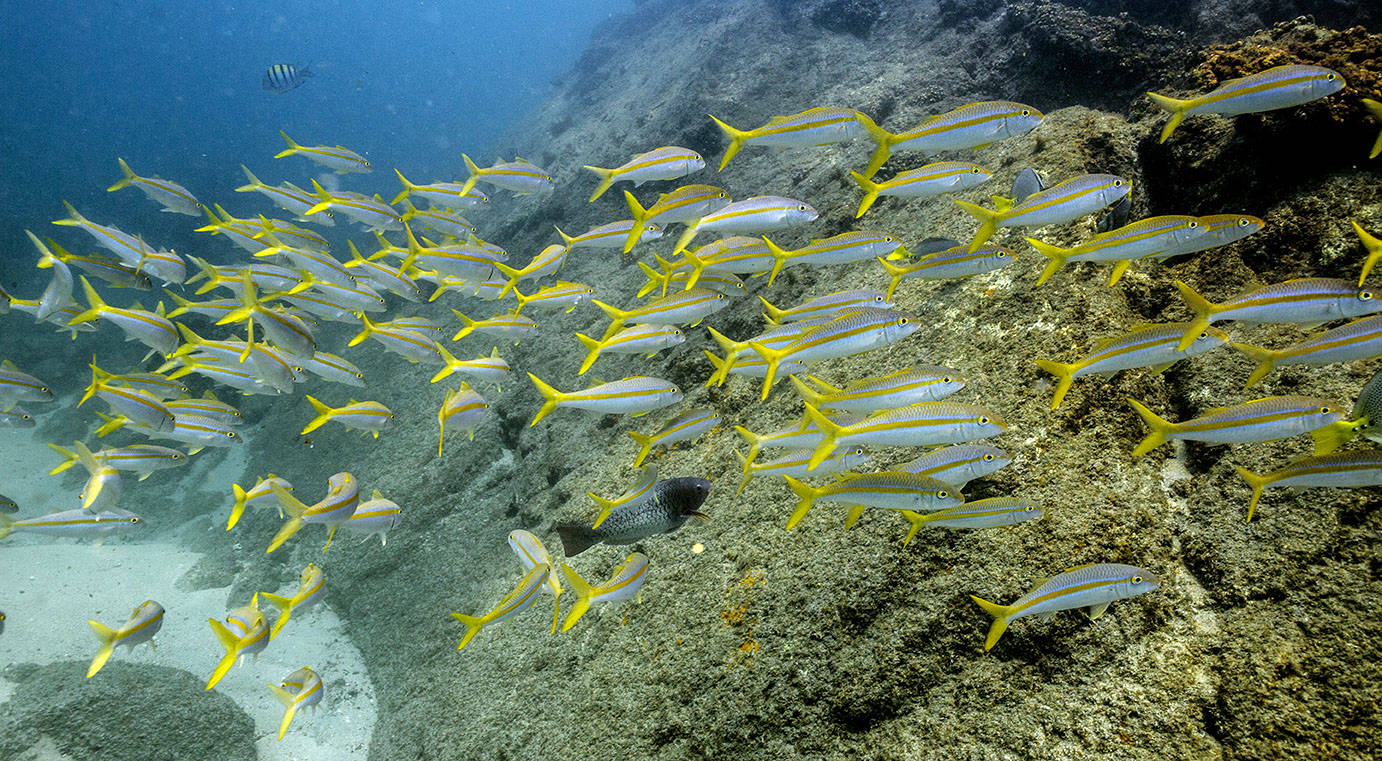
820,642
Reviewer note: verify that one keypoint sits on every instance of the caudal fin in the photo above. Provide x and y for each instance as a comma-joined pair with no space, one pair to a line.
290,706
323,415
1055,258
107,636
1175,106
1371,244
1266,360
1065,376
583,592
830,432
806,497
736,139
231,643
1204,310
473,625
285,612
290,150
1257,482
576,539
988,222
474,175
1160,428
295,509
881,138
1000,615
606,179
640,221
870,189
550,398
645,445
125,181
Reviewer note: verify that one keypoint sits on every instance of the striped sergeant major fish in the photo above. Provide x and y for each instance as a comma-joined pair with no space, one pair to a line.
282,77
1093,587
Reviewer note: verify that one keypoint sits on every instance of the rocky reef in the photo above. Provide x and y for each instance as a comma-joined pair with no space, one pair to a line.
822,642
827,643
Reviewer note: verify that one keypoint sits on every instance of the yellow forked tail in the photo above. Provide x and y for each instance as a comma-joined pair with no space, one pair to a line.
883,139
1065,376
829,433
125,181
606,179
323,415
1258,483
645,446
107,636
1055,256
593,348
285,612
774,314
290,150
1176,107
806,497
1374,108
1160,428
474,175
289,701
732,349
1370,243
774,359
988,222
1204,310
640,217
895,274
583,592
1000,615
295,509
473,625
870,189
95,306
550,398
780,257
231,643
736,139
1266,360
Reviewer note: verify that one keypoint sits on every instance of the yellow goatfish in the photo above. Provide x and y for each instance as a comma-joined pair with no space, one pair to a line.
142,625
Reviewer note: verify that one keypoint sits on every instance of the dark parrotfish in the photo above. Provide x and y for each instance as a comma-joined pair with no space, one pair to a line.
674,500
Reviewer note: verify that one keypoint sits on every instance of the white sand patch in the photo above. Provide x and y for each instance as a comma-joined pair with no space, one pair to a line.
53,587
49,587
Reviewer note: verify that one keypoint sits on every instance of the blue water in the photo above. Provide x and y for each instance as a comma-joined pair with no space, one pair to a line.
174,88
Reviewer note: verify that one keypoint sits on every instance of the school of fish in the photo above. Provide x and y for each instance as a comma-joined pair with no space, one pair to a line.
262,334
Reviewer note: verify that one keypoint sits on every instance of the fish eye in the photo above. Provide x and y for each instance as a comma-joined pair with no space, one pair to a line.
1365,295
1027,509
1242,222
1137,579
903,321
988,457
984,420
1204,335
1193,225
1026,112
1117,183
1324,410
1329,77
942,494
945,379
801,207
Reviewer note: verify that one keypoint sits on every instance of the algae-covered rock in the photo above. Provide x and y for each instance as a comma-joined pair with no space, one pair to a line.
752,641
144,713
